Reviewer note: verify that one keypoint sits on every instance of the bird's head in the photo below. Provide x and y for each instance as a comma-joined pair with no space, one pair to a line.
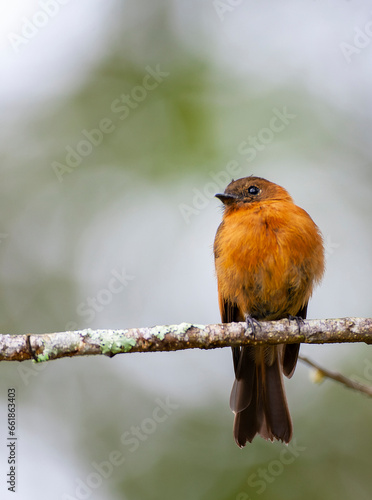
250,190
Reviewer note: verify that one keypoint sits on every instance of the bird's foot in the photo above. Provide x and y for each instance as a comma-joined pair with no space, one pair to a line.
252,324
300,321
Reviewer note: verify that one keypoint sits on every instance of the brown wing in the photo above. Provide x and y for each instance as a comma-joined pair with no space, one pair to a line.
229,314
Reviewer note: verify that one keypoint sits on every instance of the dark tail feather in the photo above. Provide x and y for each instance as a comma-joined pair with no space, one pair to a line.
267,412
276,411
247,422
290,359
290,354
245,368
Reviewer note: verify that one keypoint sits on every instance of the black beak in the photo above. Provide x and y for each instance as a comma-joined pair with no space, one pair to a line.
226,198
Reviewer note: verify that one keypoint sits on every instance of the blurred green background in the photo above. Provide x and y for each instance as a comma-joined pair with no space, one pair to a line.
120,120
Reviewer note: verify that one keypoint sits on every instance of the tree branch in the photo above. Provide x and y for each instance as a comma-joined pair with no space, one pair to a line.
89,342
338,377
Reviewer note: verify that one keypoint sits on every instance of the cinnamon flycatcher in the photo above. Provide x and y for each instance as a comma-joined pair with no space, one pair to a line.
268,255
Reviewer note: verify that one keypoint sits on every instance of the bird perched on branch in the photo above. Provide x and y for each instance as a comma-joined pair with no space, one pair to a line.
268,256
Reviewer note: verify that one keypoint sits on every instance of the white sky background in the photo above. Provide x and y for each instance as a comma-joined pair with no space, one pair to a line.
58,54
74,37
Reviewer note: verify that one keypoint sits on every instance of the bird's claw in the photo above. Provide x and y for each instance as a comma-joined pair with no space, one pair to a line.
252,324
300,321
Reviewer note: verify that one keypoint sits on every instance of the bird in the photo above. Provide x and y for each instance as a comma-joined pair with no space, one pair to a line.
269,255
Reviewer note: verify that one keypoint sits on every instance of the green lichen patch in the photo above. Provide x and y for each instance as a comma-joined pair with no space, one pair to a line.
46,355
112,341
161,331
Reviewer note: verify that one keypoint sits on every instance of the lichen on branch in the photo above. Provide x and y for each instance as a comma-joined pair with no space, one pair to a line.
88,342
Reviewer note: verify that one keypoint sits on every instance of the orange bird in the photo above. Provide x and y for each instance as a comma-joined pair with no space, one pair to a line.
268,255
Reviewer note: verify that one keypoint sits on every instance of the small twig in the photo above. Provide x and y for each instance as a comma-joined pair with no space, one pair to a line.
365,389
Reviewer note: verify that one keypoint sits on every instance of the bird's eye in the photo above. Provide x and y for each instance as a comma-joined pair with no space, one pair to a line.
253,190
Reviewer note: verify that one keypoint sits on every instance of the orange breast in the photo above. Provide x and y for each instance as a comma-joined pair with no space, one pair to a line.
268,257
